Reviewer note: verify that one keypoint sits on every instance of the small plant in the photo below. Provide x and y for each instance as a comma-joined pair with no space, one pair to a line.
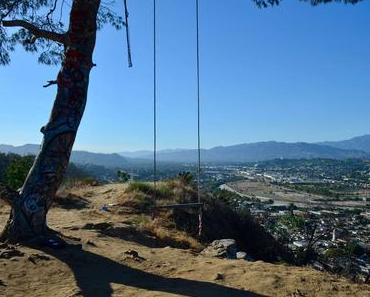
292,222
123,176
333,253
162,191
145,188
186,177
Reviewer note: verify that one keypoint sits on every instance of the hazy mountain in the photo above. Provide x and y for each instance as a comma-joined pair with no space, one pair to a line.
78,157
27,149
358,147
107,160
137,154
260,151
149,154
361,143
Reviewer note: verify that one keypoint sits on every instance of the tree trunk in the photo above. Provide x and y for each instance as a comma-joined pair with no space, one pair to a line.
28,215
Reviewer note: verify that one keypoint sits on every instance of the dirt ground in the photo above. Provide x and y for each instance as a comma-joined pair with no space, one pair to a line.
128,263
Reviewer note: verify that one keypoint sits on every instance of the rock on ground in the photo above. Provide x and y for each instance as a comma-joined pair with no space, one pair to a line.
223,248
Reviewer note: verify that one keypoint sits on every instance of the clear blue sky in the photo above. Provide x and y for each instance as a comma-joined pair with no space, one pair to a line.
293,73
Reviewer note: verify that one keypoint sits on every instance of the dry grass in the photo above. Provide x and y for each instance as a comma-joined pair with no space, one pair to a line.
141,197
137,201
70,201
161,229
78,183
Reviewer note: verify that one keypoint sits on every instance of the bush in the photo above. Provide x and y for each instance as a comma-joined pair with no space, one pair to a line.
138,201
292,222
354,249
186,177
145,188
333,253
123,176
17,171
162,191
220,220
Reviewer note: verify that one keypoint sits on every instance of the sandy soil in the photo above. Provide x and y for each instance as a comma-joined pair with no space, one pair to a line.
104,265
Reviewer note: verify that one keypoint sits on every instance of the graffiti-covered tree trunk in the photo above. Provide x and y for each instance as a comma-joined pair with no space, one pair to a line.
30,207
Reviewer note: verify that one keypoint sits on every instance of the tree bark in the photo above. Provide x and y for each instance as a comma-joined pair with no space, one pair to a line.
28,215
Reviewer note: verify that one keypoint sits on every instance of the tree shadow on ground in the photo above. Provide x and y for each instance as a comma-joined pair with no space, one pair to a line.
94,275
143,237
71,201
132,234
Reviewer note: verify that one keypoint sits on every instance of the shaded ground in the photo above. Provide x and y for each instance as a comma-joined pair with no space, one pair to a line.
102,262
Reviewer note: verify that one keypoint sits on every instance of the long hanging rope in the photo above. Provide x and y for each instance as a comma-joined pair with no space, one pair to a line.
155,99
200,215
127,35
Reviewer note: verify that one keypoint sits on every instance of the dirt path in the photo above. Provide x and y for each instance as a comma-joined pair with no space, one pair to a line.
105,264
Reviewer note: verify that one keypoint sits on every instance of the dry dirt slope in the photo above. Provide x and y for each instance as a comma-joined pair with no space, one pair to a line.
102,268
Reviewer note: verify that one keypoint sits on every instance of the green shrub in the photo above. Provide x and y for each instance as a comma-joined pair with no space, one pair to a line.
137,201
17,171
123,176
186,177
162,191
333,253
140,187
292,222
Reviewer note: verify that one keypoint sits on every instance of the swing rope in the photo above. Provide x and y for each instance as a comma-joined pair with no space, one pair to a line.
155,174
155,99
200,215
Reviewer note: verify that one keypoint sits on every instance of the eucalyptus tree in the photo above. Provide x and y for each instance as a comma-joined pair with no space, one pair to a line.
38,26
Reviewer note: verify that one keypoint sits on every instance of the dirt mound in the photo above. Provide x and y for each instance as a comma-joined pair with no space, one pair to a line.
120,264
219,219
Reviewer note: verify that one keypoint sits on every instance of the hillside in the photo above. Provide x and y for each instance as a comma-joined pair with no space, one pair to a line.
77,157
120,252
356,143
27,149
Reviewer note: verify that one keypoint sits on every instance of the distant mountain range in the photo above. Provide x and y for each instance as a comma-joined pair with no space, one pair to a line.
149,154
357,147
78,157
260,151
27,149
361,143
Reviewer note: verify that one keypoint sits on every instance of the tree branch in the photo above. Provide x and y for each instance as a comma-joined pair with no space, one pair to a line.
8,195
10,10
37,32
51,11
50,83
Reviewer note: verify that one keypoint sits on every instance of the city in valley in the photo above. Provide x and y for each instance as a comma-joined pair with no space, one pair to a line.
321,205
